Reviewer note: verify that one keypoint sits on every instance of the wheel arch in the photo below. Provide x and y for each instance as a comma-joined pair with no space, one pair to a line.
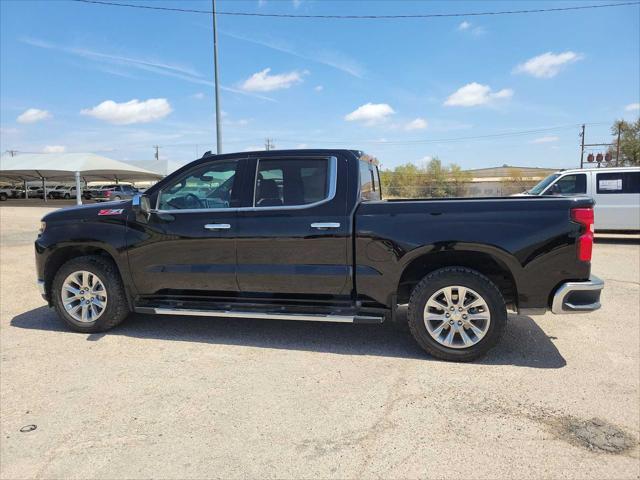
63,254
493,265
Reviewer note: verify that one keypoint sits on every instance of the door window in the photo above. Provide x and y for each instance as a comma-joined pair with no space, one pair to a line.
369,188
207,187
291,182
569,185
618,182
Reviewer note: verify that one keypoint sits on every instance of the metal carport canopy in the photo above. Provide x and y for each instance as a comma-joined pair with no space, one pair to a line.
69,167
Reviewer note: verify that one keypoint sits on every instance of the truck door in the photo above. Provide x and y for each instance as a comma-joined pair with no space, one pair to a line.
617,196
294,238
187,245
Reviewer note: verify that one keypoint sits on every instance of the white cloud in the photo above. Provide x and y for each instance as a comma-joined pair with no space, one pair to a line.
318,88
548,64
370,113
416,124
331,58
33,115
473,94
133,111
296,3
302,146
54,149
546,139
198,96
151,65
632,107
263,82
464,25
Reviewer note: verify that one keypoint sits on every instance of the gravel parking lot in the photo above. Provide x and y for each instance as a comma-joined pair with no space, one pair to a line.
184,397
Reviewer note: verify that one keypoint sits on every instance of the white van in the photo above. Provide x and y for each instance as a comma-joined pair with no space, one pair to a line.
616,192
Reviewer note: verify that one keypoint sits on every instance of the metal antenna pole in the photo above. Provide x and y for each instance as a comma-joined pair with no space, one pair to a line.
618,145
216,83
582,147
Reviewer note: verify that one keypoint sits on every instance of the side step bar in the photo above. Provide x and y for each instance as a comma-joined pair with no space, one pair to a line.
305,317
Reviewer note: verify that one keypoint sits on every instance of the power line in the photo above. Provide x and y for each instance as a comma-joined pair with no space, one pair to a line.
360,17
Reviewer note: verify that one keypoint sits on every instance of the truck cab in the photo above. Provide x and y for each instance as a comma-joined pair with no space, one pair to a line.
616,192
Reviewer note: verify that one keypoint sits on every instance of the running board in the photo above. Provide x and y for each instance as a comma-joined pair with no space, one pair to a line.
305,317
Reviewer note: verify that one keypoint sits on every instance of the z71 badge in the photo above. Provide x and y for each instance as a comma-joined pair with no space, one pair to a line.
111,211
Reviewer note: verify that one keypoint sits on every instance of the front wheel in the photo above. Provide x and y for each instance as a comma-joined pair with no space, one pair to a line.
88,294
3,197
456,314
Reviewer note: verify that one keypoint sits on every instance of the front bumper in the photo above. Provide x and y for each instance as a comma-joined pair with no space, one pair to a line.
578,297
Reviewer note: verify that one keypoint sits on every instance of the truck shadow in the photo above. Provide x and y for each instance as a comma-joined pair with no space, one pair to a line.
524,343
619,240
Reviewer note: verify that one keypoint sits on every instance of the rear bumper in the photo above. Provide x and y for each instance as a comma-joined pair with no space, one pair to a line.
578,297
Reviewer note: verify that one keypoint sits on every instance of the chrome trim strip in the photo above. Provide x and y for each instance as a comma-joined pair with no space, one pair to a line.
333,182
325,225
558,304
217,226
265,316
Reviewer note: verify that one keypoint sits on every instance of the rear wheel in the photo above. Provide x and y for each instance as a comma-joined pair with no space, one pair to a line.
456,314
88,294
117,198
3,197
67,196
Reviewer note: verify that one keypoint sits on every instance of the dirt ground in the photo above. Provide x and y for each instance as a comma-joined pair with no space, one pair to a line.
180,397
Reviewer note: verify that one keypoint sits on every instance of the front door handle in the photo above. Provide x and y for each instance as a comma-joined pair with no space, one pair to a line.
324,225
217,226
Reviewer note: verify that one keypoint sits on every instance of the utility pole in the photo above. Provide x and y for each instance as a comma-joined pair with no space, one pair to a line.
157,154
268,144
618,145
216,83
12,152
582,146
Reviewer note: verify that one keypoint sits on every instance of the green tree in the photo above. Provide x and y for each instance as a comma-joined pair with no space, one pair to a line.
432,179
629,142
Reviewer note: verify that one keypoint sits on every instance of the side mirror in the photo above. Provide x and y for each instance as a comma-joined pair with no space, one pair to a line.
140,204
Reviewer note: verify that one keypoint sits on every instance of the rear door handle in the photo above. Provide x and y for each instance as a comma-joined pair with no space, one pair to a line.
324,225
217,226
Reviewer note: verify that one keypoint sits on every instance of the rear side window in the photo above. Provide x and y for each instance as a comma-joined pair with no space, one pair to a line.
618,182
369,182
569,185
291,182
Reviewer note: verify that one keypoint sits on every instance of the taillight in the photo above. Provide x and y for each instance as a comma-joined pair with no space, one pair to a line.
584,216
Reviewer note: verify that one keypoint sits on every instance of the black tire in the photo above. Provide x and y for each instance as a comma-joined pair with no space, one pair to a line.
117,308
3,197
117,198
464,277
67,196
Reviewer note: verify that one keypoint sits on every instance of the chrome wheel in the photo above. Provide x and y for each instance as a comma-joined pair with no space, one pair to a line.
84,296
457,317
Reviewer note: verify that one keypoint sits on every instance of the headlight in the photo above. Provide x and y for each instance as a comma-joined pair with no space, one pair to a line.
43,225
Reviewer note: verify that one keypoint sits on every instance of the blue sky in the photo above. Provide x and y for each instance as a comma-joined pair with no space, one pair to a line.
116,81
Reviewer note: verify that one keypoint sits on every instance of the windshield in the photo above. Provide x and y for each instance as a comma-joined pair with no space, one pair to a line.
540,187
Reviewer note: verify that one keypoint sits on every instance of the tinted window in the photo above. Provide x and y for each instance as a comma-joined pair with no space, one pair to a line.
209,186
569,185
618,182
369,187
289,182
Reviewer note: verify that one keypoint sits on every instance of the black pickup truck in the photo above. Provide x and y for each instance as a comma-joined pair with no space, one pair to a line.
305,235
